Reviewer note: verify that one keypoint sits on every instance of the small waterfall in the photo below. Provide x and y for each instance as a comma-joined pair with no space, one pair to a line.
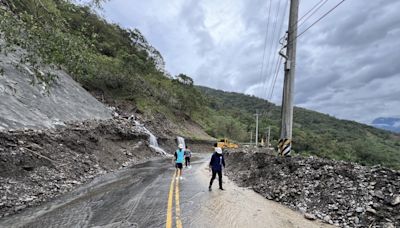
154,144
152,138
181,140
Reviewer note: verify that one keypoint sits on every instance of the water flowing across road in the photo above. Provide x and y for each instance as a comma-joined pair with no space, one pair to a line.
146,195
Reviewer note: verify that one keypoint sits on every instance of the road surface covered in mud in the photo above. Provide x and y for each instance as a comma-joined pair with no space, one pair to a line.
148,195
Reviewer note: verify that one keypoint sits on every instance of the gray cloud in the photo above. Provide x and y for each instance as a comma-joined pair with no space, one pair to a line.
347,63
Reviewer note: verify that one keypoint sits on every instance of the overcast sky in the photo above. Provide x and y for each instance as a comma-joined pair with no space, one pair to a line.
347,64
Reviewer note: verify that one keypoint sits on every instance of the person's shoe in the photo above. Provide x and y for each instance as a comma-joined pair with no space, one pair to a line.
209,188
221,189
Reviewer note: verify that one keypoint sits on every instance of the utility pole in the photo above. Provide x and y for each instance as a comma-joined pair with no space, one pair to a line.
268,135
285,141
257,128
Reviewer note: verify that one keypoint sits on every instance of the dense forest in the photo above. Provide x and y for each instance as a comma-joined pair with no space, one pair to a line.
110,60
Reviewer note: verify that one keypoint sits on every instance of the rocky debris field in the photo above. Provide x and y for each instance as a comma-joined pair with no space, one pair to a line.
37,165
340,193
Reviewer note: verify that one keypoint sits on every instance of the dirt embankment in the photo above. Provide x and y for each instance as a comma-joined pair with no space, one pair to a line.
340,193
164,129
37,165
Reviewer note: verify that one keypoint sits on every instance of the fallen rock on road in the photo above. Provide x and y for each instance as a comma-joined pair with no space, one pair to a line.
38,165
341,193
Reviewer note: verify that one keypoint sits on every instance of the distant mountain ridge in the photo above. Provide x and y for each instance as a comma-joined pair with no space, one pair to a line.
387,123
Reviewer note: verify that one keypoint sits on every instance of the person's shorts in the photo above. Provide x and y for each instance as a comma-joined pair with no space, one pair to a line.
178,165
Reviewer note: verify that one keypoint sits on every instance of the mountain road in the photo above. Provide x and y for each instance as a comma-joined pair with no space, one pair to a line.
149,195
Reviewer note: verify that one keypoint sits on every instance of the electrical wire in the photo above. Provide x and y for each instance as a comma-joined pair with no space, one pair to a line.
271,53
265,40
276,57
277,67
309,16
312,8
315,22
309,11
319,19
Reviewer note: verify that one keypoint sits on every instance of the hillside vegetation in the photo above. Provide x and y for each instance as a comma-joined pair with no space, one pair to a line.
119,63
313,133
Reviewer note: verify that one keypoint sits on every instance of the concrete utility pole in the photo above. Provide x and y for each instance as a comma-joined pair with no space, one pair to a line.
285,141
257,128
268,135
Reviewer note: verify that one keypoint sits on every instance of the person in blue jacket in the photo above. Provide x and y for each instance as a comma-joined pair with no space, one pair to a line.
216,164
179,159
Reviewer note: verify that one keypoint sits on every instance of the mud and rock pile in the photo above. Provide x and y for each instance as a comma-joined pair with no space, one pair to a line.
340,193
37,165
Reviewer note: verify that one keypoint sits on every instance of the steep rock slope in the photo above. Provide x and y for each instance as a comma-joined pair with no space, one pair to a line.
26,102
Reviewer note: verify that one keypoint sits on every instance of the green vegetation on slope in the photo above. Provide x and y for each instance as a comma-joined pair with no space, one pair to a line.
103,57
313,133
107,59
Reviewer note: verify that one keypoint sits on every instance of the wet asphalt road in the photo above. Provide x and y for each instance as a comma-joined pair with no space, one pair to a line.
134,197
147,195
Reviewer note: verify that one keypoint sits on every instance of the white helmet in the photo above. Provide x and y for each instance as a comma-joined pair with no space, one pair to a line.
218,150
180,146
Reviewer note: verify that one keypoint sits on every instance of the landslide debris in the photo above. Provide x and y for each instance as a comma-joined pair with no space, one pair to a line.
341,193
37,165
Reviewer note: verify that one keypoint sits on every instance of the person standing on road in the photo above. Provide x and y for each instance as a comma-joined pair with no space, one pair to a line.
188,155
179,156
216,164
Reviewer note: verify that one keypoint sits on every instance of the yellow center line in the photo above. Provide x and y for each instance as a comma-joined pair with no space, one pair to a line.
177,207
170,198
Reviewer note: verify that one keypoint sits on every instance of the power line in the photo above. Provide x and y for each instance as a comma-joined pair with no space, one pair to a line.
265,40
272,42
271,53
309,11
315,22
278,63
316,10
277,67
271,72
319,19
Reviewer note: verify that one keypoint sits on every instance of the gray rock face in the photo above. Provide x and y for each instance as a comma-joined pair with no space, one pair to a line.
341,193
27,103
